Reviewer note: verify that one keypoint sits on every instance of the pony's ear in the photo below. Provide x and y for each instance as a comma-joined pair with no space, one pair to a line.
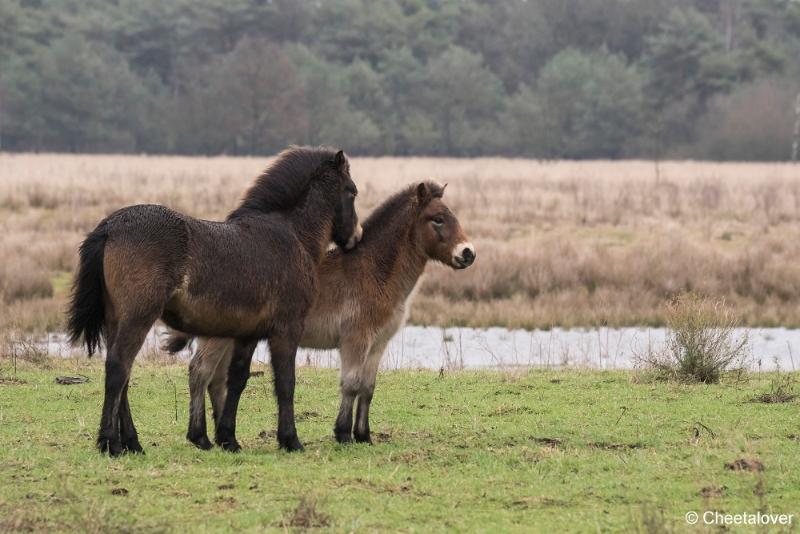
423,193
340,160
443,188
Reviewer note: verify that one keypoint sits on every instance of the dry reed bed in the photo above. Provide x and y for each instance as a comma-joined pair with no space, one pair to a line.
559,243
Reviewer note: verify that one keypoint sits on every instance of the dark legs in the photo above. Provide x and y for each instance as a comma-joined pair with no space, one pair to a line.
117,433
238,373
128,435
283,351
360,364
361,430
343,430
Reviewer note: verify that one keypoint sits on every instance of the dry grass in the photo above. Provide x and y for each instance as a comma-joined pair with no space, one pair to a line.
559,243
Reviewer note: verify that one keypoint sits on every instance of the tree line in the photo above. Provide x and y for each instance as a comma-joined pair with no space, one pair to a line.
710,79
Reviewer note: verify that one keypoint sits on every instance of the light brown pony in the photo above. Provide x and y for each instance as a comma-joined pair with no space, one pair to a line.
363,299
249,278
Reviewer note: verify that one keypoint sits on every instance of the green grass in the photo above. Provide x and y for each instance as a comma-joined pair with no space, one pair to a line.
545,451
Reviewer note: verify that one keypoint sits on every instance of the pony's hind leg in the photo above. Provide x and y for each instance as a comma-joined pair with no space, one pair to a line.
238,373
128,435
353,351
119,360
201,372
283,351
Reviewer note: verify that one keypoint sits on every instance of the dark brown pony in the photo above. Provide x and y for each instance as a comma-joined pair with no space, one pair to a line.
251,277
363,299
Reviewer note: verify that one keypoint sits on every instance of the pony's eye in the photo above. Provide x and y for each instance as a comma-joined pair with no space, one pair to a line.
438,220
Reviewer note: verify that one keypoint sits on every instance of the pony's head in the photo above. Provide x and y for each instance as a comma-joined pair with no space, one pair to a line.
296,171
347,231
438,231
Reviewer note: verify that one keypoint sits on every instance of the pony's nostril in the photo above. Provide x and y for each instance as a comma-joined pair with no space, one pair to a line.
468,256
463,255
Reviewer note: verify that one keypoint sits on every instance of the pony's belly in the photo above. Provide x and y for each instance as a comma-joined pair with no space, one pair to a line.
321,333
208,318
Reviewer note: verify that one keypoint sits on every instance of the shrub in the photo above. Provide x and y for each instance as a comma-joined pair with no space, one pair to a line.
701,343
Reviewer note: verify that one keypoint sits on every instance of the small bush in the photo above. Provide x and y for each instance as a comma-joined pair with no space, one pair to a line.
701,341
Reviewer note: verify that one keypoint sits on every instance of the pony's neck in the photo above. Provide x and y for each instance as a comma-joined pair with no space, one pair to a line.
312,220
409,267
397,260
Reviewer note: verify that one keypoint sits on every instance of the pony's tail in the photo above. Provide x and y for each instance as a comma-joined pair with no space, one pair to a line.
176,341
86,309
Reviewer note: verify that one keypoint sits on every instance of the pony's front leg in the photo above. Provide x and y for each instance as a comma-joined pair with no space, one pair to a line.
343,430
238,373
369,373
353,350
283,350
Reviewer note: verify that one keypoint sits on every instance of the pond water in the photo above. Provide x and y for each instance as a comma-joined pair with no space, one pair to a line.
417,347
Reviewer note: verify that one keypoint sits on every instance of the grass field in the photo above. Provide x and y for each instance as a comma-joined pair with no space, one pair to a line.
541,451
559,243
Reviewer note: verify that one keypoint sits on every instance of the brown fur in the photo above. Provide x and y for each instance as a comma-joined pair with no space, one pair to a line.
363,298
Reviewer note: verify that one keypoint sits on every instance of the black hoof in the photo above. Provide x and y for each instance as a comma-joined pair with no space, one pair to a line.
344,437
227,440
133,446
110,446
230,445
362,438
291,444
201,442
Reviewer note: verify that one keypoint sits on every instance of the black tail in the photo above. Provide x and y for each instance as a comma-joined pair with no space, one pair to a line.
176,341
86,310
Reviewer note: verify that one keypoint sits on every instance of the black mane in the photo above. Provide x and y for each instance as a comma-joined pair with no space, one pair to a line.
388,224
385,214
286,181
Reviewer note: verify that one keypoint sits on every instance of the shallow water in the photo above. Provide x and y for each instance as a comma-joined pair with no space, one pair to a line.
416,347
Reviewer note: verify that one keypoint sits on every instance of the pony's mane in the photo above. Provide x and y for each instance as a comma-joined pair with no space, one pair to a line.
383,215
284,183
387,226
391,219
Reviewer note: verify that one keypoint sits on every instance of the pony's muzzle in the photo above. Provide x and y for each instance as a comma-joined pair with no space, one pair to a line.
355,238
463,255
